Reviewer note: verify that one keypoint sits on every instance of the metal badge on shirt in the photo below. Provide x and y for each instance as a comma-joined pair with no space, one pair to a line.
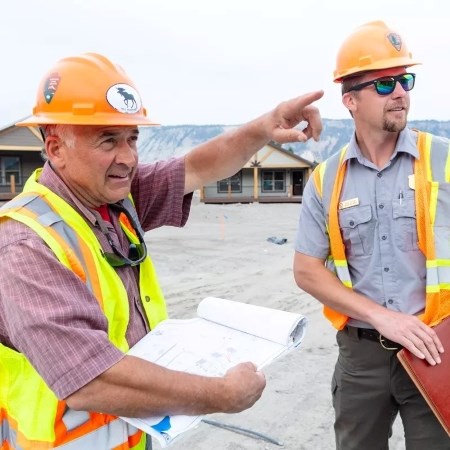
349,203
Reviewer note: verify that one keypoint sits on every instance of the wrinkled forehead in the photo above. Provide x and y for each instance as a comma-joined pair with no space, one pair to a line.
97,130
93,130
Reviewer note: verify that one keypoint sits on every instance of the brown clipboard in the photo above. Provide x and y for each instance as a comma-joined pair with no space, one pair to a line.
432,381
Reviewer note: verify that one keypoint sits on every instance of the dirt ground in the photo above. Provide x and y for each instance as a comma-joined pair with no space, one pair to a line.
223,251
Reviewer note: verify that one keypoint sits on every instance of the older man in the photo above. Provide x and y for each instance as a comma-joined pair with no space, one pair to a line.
77,286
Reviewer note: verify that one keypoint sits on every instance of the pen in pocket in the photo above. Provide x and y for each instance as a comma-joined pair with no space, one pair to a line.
400,196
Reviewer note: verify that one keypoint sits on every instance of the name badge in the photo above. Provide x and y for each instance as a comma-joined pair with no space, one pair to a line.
349,203
412,182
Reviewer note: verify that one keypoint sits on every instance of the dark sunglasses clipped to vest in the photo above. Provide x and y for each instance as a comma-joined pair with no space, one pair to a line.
136,252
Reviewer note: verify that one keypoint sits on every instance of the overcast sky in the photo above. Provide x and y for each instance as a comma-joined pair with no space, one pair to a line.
217,62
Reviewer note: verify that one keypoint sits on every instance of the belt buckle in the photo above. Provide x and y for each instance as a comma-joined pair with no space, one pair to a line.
382,341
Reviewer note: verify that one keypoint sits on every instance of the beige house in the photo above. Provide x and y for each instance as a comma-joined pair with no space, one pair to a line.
20,155
273,175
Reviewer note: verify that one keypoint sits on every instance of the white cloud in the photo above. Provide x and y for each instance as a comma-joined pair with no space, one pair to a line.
205,62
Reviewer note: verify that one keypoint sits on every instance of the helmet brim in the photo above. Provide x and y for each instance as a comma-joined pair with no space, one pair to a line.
96,119
379,65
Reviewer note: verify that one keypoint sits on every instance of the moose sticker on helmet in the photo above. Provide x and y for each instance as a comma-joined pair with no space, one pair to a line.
124,98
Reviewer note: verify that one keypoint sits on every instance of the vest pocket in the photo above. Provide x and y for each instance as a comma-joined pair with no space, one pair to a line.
357,228
443,205
404,223
442,222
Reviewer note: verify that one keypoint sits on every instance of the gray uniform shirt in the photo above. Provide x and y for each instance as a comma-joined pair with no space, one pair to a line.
379,234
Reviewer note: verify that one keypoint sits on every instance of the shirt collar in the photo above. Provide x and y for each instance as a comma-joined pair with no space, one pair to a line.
406,143
51,180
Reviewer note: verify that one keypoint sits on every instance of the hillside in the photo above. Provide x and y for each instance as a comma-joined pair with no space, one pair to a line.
156,143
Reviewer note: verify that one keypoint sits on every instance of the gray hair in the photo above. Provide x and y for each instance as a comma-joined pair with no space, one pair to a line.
65,133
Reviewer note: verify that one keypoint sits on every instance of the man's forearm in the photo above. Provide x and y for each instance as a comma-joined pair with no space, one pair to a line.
137,388
223,156
313,277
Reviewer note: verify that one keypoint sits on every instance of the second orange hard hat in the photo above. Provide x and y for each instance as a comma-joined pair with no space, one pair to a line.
372,46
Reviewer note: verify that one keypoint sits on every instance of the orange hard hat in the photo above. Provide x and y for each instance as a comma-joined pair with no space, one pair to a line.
87,90
372,46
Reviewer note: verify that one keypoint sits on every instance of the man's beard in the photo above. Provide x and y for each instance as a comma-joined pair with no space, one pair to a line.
394,127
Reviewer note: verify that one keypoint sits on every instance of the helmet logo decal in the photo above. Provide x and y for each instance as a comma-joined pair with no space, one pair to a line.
51,84
395,40
124,98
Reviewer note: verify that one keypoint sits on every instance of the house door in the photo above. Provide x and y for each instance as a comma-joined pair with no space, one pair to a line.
297,182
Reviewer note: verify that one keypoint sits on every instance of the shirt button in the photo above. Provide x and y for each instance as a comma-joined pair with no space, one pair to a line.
351,223
384,237
379,174
147,298
390,301
386,269
381,206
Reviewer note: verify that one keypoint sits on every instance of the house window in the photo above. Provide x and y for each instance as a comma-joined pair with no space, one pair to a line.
9,165
273,181
233,184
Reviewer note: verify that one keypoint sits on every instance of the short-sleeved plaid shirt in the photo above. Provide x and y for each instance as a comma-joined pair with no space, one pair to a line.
47,313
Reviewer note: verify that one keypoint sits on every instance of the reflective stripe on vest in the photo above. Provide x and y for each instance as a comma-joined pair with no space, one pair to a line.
115,435
326,180
432,196
31,417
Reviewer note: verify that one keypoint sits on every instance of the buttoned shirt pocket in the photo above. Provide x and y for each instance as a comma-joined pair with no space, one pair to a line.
404,223
357,228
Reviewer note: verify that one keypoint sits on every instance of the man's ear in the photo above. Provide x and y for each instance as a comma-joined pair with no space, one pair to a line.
55,151
348,100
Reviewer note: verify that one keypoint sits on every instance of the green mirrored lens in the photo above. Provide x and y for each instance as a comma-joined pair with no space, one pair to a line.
385,87
407,81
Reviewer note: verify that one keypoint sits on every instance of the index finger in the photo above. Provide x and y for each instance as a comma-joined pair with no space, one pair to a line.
308,98
314,127
300,109
428,343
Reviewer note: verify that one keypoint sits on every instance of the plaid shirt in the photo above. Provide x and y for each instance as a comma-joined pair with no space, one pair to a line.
47,313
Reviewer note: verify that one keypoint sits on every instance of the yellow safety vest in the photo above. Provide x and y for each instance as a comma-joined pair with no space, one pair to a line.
31,416
432,196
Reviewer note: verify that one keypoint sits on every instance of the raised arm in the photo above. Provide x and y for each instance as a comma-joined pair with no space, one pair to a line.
224,155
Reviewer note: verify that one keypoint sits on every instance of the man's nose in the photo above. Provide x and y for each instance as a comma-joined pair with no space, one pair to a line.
126,153
399,91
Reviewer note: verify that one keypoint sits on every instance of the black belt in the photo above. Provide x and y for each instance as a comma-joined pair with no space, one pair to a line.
373,335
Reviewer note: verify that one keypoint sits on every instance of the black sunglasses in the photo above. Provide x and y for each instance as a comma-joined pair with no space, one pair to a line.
386,85
136,252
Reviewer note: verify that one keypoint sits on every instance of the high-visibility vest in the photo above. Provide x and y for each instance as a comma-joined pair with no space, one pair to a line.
432,197
31,416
